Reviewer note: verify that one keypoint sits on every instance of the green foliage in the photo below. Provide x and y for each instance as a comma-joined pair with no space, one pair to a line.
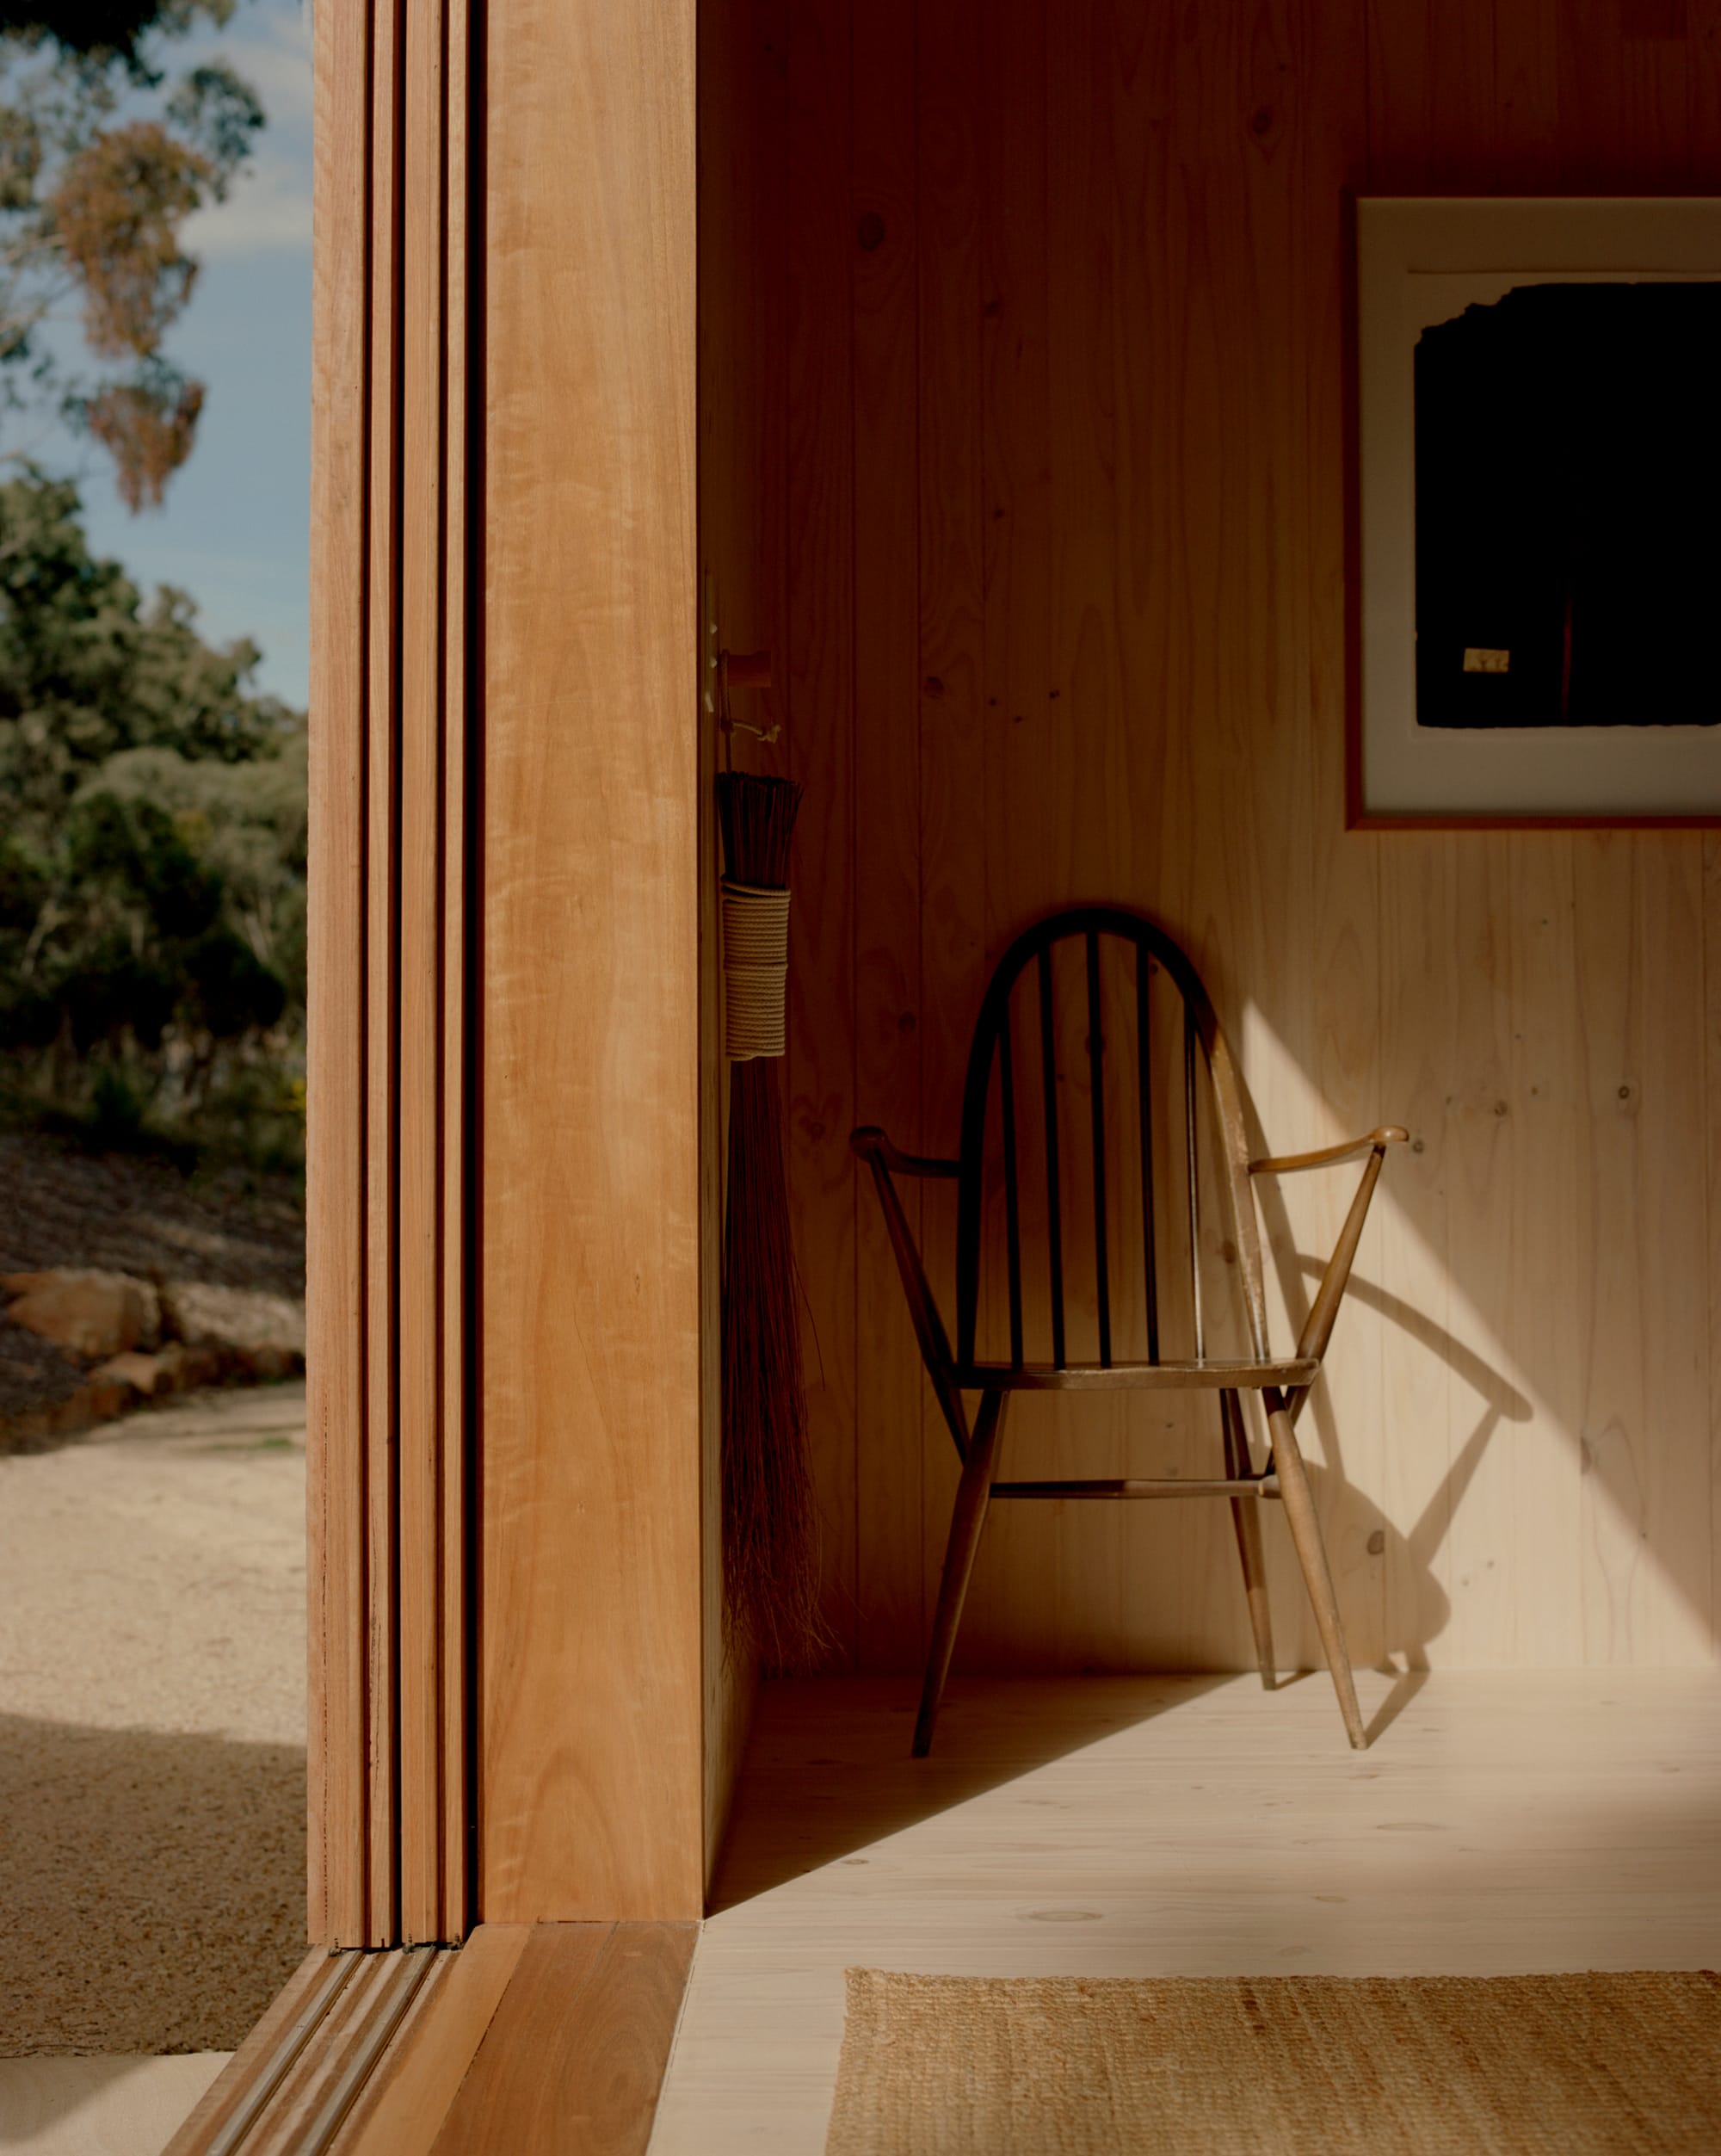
87,668
152,873
105,31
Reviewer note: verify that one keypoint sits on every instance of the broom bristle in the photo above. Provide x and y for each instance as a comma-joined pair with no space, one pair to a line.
755,820
770,1551
770,1513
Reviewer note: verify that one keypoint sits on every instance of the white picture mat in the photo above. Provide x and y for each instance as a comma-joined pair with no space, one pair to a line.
1423,261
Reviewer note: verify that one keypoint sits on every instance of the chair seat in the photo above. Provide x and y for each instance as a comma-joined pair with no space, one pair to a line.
1165,1377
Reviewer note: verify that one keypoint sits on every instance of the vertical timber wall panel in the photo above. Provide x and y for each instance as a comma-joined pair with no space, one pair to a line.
1122,450
743,86
950,717
391,1018
889,1608
590,1684
818,1076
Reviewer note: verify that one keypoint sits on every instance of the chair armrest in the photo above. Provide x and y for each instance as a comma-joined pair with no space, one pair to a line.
1290,1164
870,1143
1317,1330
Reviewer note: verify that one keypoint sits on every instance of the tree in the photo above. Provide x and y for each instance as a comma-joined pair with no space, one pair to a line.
101,161
152,872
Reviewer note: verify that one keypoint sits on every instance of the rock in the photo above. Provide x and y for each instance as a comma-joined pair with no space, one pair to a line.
216,1336
183,1368
91,1314
270,1364
104,1398
65,1418
250,1333
145,1374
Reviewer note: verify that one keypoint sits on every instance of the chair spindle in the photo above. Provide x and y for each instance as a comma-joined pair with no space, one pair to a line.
1143,1050
1195,1177
1006,1086
1096,1080
1048,1064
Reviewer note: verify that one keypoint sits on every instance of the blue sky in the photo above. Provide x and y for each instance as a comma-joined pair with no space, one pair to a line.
234,530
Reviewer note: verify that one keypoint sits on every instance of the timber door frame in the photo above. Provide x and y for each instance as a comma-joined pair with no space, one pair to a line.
503,1242
390,1222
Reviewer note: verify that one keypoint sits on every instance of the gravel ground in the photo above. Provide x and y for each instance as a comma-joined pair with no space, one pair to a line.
152,1729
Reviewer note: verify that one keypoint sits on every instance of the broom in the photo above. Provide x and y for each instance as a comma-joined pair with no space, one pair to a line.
770,1553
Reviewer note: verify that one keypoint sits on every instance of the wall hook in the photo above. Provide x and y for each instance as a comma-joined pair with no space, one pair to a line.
743,670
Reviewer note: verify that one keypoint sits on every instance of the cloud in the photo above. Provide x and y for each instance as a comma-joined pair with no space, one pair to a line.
269,210
273,53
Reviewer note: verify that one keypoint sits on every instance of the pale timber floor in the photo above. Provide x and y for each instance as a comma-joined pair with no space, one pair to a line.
106,2106
1499,1822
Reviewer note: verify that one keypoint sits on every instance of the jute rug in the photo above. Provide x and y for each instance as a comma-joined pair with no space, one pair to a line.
1282,2065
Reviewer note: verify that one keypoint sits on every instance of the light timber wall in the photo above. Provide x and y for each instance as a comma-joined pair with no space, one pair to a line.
1050,439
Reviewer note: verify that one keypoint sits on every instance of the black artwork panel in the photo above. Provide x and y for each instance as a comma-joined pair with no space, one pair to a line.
1568,509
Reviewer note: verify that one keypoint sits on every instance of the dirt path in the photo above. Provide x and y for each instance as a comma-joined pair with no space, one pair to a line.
152,1729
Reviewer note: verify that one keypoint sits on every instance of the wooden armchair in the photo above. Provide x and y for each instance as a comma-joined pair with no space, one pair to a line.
1025,1167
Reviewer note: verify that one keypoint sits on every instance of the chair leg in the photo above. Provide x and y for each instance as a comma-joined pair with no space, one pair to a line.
973,1495
1306,1534
1246,1519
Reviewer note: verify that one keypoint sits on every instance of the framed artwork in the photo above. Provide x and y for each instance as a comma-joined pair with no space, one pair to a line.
1535,587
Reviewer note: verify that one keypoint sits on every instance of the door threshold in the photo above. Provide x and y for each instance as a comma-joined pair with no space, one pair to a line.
548,2037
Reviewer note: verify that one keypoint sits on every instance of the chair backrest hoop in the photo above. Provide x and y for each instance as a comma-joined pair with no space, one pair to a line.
992,1046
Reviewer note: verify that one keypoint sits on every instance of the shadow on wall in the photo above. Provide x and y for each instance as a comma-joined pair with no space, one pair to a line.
153,1887
1417,1606
1578,1287
1577,1534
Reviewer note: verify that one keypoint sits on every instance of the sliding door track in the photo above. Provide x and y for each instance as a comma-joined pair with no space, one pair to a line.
507,2043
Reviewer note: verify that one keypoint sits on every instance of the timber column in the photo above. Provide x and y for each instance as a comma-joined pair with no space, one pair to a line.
590,1617
504,1205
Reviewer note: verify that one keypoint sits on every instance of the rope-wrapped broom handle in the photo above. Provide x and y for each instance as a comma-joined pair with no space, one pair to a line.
756,971
756,817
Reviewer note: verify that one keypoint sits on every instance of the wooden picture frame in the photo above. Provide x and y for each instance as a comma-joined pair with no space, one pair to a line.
1415,263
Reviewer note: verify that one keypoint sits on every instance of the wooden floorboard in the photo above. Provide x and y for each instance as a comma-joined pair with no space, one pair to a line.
106,2103
1500,1822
